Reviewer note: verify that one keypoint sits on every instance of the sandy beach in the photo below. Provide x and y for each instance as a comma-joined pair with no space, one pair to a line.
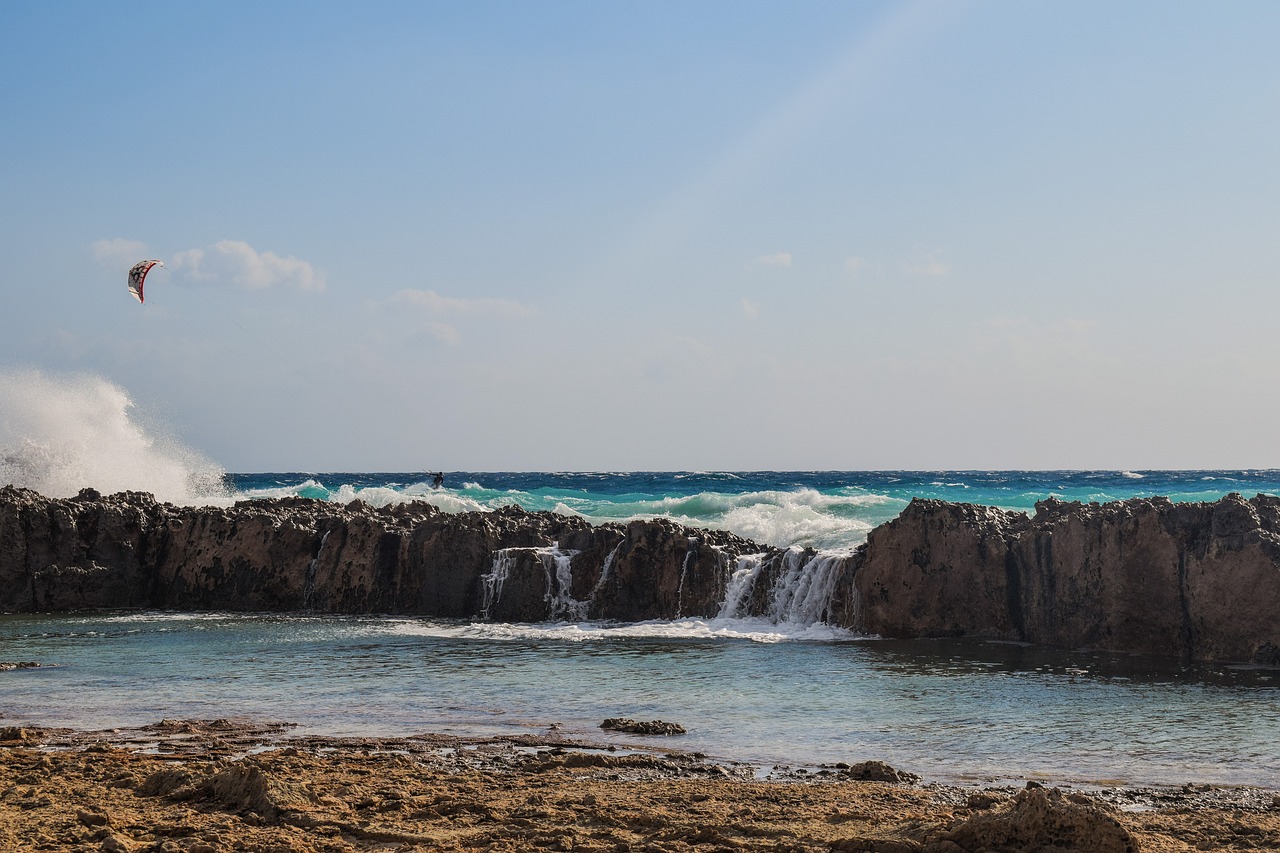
203,786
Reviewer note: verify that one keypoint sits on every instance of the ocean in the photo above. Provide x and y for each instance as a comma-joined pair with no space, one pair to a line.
826,510
765,692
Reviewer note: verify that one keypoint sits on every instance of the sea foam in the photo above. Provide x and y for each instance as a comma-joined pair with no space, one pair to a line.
59,434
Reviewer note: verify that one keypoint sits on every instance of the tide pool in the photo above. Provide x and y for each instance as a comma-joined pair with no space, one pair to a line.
746,690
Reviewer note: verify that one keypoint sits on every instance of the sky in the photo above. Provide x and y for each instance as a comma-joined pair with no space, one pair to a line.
713,235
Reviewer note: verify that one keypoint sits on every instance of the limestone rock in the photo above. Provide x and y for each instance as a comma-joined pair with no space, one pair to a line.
1039,819
1197,581
651,727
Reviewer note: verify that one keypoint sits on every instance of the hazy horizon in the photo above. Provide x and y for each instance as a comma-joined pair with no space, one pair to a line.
649,236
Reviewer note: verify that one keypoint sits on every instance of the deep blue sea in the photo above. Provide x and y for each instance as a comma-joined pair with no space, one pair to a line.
751,690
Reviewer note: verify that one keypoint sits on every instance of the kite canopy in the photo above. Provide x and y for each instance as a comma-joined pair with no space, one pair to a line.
138,275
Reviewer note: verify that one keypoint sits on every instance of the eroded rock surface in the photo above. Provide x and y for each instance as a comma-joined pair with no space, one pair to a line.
1199,581
128,551
1196,581
440,793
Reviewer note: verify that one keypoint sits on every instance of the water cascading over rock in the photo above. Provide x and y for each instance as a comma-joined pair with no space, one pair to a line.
1198,581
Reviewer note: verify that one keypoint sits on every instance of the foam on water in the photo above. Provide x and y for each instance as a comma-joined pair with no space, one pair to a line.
827,511
59,434
754,630
747,690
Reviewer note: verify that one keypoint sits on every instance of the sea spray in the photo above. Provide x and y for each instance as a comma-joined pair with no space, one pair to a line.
59,434
802,593
309,583
559,568
491,583
739,586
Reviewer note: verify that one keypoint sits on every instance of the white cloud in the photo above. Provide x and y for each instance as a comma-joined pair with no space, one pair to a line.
932,268
239,263
751,308
119,252
444,333
435,303
854,266
777,259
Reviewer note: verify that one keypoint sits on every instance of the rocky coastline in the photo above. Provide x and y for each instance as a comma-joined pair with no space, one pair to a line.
210,785
1194,581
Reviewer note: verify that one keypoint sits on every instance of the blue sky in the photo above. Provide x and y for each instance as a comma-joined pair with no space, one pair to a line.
709,235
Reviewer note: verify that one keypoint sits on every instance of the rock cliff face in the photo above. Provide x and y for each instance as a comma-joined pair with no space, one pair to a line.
1199,581
126,550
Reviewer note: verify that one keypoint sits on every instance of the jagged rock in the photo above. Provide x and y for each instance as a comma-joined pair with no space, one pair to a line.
238,786
651,727
1199,581
164,782
244,786
1036,821
875,771
126,550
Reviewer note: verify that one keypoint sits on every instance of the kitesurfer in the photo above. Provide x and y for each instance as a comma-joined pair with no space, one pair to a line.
138,276
438,482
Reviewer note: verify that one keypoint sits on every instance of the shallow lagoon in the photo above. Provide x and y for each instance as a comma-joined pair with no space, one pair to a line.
746,690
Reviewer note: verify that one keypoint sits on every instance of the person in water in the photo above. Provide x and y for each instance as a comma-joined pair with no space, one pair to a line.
438,482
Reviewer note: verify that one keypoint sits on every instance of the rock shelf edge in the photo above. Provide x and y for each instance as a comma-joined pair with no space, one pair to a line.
1197,581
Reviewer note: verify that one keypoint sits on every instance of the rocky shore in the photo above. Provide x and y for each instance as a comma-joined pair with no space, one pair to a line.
212,785
1195,581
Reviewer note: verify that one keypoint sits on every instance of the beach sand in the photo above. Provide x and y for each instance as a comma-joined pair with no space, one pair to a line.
204,786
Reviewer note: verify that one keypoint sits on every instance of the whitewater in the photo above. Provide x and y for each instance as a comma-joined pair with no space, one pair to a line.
783,689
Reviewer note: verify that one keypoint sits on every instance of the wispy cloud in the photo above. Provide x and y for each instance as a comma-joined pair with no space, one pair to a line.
240,264
854,266
1027,334
435,303
777,259
929,267
118,252
751,308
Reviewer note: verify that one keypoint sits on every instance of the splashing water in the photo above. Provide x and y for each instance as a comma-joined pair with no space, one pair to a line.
59,434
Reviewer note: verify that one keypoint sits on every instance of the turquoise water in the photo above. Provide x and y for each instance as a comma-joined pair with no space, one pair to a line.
822,509
958,711
750,690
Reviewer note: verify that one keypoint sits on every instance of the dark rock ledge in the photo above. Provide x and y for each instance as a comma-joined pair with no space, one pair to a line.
1195,581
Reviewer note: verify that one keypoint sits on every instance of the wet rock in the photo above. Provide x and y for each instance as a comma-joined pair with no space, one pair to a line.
13,735
1197,581
872,771
126,551
1040,819
6,666
635,727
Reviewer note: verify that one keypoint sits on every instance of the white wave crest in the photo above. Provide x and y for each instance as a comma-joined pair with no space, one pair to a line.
754,630
59,434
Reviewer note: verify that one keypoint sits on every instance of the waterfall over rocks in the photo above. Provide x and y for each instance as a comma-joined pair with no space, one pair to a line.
1197,581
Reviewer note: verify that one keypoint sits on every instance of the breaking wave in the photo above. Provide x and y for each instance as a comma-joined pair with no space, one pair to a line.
59,434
